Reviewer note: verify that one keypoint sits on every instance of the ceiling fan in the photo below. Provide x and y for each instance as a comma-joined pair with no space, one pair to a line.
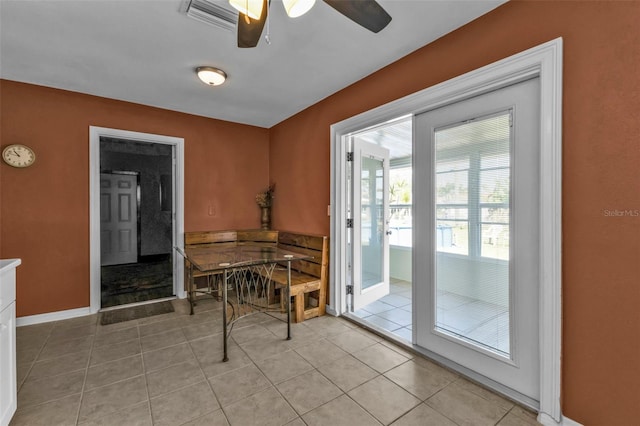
253,14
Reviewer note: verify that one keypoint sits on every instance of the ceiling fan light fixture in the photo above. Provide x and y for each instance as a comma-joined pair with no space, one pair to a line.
211,76
295,8
251,8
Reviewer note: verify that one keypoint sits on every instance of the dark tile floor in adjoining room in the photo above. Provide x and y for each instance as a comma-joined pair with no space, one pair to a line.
167,370
136,282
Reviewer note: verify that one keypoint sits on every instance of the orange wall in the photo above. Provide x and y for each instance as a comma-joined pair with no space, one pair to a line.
601,159
45,208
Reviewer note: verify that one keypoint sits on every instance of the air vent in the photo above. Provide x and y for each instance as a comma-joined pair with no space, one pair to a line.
213,13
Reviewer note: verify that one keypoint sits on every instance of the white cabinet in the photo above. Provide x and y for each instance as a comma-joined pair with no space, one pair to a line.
8,388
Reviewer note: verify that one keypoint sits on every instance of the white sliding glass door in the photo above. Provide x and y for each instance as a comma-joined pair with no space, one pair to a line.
476,246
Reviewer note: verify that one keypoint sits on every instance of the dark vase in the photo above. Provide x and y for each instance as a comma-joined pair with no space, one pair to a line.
265,218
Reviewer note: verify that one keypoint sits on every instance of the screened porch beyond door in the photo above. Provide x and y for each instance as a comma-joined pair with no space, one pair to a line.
481,321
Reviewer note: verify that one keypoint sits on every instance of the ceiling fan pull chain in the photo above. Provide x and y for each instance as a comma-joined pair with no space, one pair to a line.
267,36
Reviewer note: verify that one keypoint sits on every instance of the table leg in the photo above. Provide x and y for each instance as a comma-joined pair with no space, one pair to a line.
191,285
224,315
289,300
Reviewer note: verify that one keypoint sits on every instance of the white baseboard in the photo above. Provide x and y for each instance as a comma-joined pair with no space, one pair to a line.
566,421
331,311
52,316
70,313
547,420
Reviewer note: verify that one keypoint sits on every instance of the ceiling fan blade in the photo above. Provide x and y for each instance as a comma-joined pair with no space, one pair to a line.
367,13
250,30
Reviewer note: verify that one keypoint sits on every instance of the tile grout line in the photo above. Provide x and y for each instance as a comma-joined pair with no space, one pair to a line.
383,374
206,379
86,372
24,379
347,392
122,357
44,343
367,381
401,387
274,386
115,382
144,373
435,409
503,416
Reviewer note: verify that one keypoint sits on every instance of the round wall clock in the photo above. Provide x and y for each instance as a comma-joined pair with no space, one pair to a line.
18,155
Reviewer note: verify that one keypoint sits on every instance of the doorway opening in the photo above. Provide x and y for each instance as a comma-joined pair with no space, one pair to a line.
384,236
136,221
136,217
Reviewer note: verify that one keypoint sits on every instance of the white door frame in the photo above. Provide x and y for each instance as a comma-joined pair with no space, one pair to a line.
545,62
94,204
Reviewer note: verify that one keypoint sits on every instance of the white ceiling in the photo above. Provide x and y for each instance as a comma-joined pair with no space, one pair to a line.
145,51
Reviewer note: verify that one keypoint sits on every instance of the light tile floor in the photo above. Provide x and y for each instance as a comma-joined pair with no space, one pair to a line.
480,321
391,312
167,370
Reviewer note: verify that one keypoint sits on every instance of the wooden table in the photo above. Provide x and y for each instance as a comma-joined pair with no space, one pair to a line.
247,270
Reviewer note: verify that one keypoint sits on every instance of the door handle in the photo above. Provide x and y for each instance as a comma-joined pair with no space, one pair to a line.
389,232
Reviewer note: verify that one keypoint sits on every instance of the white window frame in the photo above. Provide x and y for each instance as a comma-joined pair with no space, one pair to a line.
545,62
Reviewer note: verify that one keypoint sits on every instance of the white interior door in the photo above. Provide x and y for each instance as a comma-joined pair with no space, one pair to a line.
370,223
476,245
118,219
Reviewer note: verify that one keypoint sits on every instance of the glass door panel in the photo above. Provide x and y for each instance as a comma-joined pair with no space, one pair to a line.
472,187
370,222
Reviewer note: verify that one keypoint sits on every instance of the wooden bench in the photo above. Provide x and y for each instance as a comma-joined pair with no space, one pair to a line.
308,277
260,237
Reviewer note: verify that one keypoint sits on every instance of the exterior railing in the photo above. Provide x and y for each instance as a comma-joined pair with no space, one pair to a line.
400,224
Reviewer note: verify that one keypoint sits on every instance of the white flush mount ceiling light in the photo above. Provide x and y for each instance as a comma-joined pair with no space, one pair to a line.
295,8
211,76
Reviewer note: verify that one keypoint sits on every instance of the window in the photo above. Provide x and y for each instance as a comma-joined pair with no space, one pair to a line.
452,205
473,185
400,204
372,194
494,205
